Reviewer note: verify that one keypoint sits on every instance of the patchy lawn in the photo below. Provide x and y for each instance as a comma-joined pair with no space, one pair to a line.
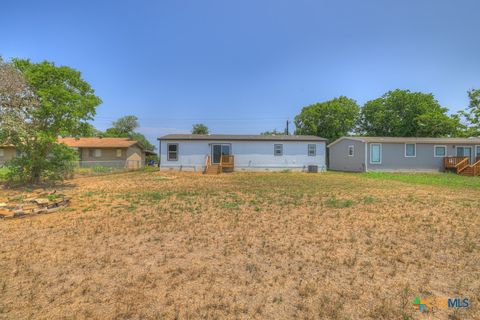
274,245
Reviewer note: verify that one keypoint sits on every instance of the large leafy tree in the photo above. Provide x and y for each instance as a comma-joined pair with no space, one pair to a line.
199,128
330,119
42,101
471,116
401,113
125,127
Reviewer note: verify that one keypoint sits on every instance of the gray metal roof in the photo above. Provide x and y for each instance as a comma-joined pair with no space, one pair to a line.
239,137
471,140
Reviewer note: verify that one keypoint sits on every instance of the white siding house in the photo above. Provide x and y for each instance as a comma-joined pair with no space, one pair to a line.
250,152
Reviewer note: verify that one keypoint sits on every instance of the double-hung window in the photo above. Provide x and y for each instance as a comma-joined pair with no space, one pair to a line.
312,150
278,149
440,151
375,153
172,149
410,150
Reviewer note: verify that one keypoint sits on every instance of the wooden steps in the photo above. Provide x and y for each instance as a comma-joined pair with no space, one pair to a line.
212,169
467,171
462,166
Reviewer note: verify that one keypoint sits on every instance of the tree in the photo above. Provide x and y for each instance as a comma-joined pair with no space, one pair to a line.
199,128
274,132
124,128
39,102
471,116
401,113
330,119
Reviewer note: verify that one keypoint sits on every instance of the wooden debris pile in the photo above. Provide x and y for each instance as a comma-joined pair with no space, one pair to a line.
20,206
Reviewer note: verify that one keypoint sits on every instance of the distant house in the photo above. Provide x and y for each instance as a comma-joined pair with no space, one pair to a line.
95,151
108,152
403,154
7,152
217,152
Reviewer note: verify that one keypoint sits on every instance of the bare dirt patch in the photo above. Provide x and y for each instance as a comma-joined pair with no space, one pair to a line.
275,246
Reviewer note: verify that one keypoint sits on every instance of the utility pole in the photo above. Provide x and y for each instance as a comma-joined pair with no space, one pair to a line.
287,129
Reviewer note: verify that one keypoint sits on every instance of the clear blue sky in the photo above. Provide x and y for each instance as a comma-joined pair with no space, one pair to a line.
247,66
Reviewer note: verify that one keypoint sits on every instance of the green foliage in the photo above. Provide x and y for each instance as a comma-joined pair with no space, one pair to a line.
330,119
401,113
55,101
199,128
58,164
124,128
472,115
274,132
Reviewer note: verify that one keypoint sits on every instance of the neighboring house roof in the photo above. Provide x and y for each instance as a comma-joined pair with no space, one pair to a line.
95,142
238,137
472,140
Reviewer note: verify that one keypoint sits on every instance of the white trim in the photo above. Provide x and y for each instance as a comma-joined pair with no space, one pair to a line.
405,153
435,149
380,145
353,150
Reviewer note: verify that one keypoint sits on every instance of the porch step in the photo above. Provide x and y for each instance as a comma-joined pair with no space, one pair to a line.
213,169
468,171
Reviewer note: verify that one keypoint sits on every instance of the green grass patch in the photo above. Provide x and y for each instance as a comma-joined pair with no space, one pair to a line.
440,179
3,174
339,203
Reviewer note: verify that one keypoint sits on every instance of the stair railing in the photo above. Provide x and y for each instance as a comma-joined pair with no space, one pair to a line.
461,165
476,168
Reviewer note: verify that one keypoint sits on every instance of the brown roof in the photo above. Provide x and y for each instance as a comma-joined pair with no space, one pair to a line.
471,140
229,137
95,142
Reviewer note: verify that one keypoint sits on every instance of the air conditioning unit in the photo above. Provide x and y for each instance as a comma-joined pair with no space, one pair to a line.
312,169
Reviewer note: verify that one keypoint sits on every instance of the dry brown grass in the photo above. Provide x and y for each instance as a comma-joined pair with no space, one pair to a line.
272,246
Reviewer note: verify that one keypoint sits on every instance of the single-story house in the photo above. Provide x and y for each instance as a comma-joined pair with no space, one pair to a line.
400,154
217,152
7,152
108,152
96,151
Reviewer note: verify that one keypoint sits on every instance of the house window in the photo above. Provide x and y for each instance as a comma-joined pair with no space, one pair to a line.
477,151
278,149
312,150
440,151
172,149
94,153
119,153
351,151
375,153
410,150
2,153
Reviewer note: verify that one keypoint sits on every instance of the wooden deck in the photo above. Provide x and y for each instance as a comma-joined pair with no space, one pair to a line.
227,164
461,165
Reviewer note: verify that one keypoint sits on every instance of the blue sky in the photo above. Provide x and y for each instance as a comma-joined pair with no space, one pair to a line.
248,66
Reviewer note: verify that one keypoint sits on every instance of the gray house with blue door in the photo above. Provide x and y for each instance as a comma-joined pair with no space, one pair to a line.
360,154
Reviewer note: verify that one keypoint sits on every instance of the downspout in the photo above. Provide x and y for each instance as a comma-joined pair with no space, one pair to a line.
366,156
